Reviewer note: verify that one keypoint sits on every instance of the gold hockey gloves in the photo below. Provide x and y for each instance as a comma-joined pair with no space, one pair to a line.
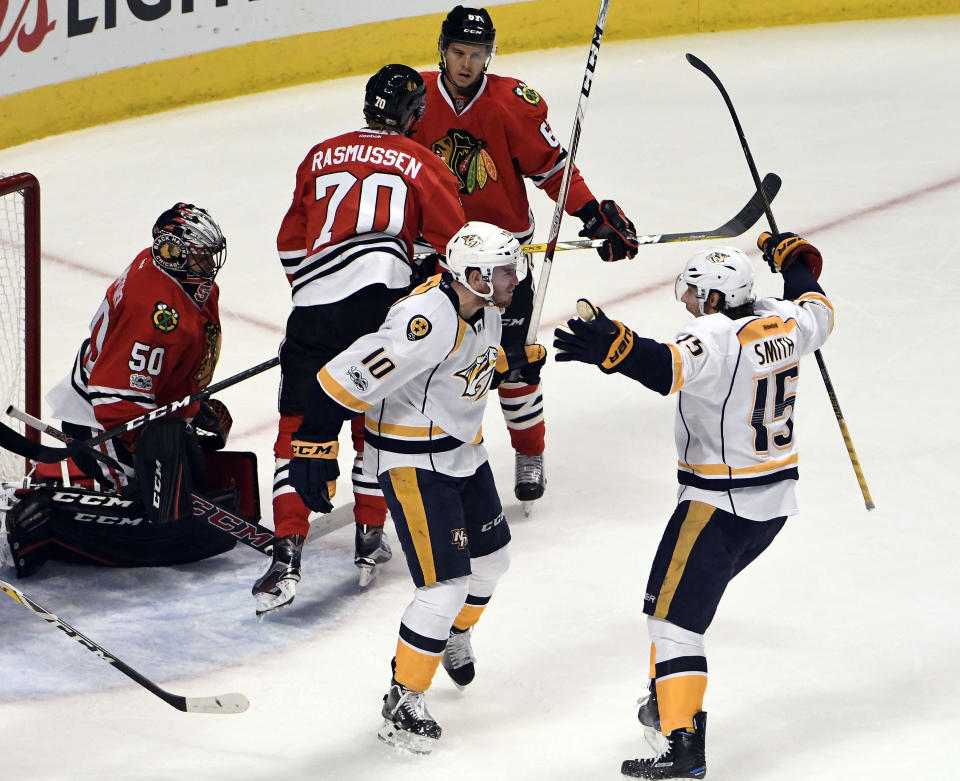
593,338
782,250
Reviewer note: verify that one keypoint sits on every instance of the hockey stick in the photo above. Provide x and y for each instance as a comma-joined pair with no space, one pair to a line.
701,66
567,172
165,410
221,703
742,221
249,533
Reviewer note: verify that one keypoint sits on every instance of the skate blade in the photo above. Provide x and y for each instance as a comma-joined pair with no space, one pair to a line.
368,574
268,602
655,739
528,508
390,734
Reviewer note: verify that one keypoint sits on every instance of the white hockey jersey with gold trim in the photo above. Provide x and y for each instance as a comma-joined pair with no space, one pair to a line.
737,383
422,381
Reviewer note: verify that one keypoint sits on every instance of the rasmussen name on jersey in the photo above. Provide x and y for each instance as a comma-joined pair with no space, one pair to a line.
363,153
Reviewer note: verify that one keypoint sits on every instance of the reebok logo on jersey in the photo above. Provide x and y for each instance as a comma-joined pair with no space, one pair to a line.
165,317
418,327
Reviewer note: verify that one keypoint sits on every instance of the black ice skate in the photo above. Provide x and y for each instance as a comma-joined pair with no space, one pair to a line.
372,550
406,721
684,757
458,659
530,480
278,585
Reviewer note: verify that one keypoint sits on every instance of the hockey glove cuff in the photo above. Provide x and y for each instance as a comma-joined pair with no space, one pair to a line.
598,340
784,249
606,220
525,360
314,471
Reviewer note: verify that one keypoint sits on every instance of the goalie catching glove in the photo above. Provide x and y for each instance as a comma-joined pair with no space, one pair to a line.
213,423
522,362
784,249
593,338
606,220
314,471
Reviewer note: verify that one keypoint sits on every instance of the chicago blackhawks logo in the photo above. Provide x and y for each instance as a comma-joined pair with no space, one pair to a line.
165,317
531,96
204,372
478,374
468,158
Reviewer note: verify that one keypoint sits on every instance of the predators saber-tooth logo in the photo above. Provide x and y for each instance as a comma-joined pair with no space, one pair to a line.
478,374
468,158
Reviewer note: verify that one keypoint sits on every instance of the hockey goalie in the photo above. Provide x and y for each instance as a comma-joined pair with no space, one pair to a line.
154,340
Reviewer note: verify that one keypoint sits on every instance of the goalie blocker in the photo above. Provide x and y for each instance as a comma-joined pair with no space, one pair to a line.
76,523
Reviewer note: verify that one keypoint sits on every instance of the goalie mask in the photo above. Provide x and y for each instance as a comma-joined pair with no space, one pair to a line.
188,243
468,25
482,246
724,269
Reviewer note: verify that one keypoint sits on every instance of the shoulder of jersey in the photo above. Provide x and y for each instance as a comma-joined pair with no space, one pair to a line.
515,93
429,307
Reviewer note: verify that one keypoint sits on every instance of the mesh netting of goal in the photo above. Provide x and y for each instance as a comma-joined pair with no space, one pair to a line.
19,303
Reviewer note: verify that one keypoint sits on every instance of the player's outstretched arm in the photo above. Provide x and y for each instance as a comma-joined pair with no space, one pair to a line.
609,344
796,259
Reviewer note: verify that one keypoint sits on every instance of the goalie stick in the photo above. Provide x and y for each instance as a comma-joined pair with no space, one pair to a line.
701,66
741,222
575,131
220,704
166,409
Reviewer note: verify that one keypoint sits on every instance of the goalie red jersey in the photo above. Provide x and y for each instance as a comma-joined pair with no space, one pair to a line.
498,137
152,341
361,200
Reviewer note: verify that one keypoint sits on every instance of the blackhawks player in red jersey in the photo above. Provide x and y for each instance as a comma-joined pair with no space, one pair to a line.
360,201
492,132
154,339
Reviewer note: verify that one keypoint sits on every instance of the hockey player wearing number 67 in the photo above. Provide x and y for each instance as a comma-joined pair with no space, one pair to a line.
735,369
422,381
493,133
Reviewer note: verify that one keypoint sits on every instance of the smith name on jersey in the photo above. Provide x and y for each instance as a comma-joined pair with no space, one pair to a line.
361,200
495,140
737,381
422,382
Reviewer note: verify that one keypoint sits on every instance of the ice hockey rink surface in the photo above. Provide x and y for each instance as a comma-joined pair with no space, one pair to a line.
832,657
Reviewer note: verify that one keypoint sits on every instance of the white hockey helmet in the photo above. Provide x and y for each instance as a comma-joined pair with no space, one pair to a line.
483,246
724,269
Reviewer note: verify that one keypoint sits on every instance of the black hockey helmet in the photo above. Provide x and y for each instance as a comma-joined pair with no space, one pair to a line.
468,25
188,243
394,93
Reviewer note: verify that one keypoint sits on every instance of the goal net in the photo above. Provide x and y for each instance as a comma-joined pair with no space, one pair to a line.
19,307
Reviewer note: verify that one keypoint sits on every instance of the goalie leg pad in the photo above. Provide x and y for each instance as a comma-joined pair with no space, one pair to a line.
92,527
168,462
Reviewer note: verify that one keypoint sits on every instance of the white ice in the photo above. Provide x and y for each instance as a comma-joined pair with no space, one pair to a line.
832,656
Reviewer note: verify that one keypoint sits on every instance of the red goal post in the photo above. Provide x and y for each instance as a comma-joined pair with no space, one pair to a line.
19,305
